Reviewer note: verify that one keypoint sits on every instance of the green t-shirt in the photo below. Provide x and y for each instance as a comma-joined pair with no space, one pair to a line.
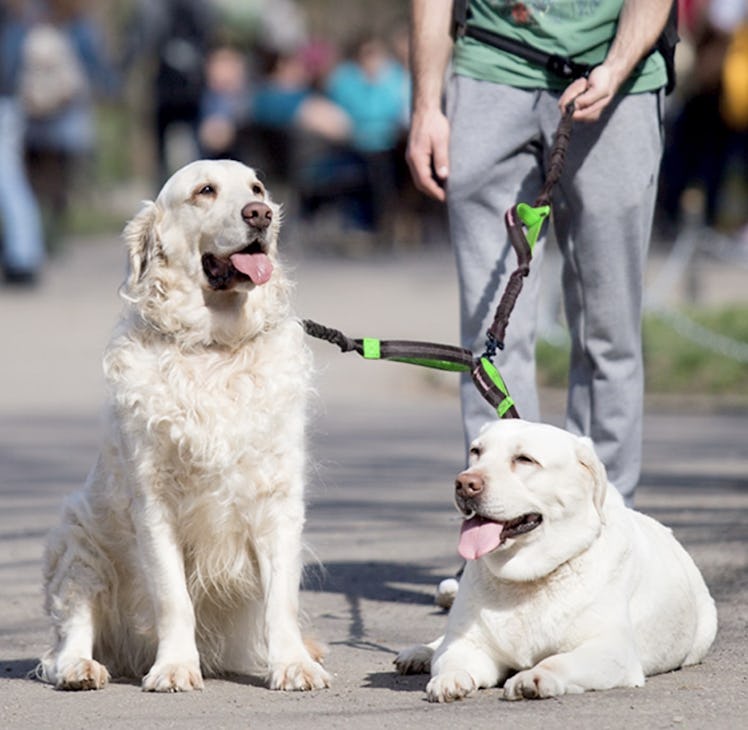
582,30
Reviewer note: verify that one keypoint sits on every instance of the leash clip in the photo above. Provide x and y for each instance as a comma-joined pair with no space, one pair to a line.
492,346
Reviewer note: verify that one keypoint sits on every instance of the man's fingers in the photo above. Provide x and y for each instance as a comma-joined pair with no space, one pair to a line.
591,104
572,91
430,186
425,178
599,92
591,112
428,153
441,163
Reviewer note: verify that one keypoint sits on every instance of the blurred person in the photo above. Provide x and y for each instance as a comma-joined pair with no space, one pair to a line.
490,150
224,107
700,142
732,17
735,67
320,57
372,87
22,242
296,132
175,35
285,97
62,63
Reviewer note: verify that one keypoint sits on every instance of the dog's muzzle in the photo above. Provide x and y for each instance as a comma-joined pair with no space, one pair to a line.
250,264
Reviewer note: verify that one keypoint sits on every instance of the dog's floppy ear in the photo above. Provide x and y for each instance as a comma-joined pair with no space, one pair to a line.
142,243
590,462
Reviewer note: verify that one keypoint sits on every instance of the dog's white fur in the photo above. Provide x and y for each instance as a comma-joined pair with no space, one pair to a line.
598,596
182,554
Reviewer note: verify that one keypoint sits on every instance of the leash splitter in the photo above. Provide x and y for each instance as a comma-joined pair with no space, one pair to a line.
523,224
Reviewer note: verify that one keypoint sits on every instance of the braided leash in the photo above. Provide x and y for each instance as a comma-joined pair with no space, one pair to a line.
532,217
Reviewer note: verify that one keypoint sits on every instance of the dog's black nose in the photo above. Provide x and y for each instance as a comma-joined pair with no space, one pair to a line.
468,485
257,215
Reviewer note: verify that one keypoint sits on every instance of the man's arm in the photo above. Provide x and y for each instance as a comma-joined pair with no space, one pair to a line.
428,140
639,26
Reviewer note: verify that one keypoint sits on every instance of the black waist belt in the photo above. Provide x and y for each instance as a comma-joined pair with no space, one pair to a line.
562,67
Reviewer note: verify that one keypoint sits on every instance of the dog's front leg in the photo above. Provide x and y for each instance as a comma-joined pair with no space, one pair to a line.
177,665
290,665
459,667
596,664
73,585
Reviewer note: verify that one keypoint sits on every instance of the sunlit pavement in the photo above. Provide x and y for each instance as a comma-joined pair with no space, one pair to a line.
386,443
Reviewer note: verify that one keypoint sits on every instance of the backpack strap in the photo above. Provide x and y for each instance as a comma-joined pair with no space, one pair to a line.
666,44
460,14
563,67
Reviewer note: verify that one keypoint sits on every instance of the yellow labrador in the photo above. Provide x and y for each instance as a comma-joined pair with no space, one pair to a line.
565,589
181,556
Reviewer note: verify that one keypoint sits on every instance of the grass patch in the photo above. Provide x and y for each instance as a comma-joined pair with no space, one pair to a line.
673,362
85,220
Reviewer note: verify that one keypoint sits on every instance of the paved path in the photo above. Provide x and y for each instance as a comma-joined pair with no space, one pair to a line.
381,527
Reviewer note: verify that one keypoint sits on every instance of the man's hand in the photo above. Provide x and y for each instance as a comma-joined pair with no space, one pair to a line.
639,24
427,153
590,95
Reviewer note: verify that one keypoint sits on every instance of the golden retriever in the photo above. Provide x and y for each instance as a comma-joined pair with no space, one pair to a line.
565,589
181,556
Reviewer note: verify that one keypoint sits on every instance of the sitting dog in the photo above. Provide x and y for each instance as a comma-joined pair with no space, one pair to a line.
565,589
181,556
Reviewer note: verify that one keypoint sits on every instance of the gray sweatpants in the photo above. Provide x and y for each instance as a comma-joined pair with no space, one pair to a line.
602,216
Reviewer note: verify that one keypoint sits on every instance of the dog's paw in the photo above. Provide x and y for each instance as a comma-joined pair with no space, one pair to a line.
81,674
533,684
167,677
414,660
450,686
299,676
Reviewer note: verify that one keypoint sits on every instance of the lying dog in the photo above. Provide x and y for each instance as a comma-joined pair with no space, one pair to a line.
565,589
182,554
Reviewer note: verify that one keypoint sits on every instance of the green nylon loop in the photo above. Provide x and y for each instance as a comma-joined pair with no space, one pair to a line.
372,349
504,406
533,219
493,373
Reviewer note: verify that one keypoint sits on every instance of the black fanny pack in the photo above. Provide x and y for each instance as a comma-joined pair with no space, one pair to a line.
560,66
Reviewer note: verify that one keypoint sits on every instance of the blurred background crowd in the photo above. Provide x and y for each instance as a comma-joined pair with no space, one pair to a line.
101,101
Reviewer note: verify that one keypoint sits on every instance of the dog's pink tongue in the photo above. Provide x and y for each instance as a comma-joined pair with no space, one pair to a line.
256,266
478,537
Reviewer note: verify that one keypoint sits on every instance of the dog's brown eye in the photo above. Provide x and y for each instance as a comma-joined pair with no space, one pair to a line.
475,451
206,190
257,189
524,459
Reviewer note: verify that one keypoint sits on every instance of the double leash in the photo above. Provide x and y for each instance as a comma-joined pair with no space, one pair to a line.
523,224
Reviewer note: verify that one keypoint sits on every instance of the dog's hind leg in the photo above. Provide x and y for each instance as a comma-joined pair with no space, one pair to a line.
70,665
72,585
599,663
417,659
